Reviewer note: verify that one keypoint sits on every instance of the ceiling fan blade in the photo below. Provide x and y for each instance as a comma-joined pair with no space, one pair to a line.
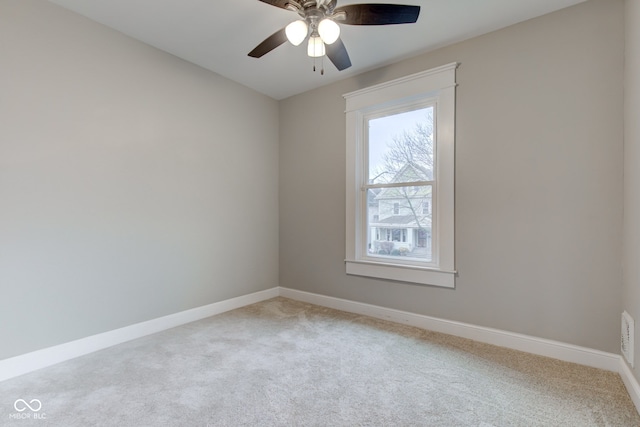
277,3
337,53
378,14
270,43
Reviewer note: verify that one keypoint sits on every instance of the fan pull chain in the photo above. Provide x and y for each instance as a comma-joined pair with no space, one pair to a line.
321,66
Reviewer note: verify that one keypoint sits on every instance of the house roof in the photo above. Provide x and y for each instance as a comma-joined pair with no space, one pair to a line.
402,221
409,173
412,172
372,196
398,193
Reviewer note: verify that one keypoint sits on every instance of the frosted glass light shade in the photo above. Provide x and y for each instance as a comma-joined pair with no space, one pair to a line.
316,47
329,31
296,32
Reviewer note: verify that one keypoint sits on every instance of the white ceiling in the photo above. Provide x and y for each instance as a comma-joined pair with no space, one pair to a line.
217,34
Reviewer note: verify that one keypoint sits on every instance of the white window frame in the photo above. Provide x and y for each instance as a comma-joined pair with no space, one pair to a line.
436,86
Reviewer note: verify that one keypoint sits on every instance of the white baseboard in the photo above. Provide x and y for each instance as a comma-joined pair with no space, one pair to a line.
529,344
29,362
630,382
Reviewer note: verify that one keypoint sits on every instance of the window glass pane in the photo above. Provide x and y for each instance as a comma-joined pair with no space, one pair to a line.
400,147
399,222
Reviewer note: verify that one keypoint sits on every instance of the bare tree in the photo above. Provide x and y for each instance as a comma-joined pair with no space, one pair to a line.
414,147
411,147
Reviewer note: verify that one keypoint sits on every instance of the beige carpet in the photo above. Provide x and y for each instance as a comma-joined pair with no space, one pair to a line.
285,363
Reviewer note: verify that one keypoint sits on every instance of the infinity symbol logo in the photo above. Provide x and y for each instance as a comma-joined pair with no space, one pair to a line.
21,405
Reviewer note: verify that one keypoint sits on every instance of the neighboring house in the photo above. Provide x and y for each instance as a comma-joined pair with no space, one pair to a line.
400,217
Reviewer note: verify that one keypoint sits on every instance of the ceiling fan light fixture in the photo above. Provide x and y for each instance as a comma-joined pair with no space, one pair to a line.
329,31
296,32
315,49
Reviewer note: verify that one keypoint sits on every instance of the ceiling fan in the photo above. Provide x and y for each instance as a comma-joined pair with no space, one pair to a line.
319,24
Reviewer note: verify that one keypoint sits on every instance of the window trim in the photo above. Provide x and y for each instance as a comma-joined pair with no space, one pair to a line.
437,84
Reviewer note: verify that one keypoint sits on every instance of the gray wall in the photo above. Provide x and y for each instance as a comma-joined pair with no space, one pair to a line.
631,301
132,184
539,182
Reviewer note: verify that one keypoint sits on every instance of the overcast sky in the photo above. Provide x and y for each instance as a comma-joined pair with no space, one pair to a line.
383,129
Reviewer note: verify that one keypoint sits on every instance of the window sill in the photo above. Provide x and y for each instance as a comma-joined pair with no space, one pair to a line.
402,273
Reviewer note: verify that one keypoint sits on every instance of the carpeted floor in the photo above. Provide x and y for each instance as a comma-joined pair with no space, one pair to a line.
286,363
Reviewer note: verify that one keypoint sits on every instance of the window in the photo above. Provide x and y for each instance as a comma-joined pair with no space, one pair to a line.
391,235
400,179
425,208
